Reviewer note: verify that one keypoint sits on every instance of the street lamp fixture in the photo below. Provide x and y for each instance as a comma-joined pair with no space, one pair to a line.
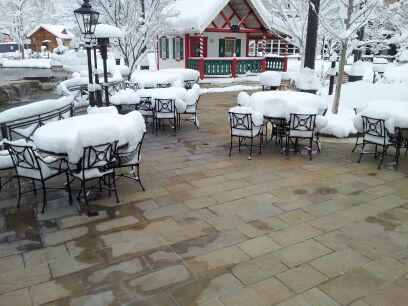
87,19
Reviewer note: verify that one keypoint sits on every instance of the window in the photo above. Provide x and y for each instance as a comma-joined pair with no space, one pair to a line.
178,48
164,48
229,47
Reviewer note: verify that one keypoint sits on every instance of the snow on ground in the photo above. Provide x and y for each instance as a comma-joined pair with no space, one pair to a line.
229,89
27,63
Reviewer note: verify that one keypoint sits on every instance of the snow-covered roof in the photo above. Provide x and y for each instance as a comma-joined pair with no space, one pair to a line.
194,16
59,31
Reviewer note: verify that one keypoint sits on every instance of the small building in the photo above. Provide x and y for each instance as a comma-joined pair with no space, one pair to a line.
49,34
222,38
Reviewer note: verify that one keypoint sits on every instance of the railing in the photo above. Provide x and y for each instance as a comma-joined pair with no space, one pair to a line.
233,67
274,63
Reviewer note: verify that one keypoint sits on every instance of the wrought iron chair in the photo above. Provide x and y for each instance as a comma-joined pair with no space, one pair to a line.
376,134
243,127
80,93
97,162
163,85
6,165
31,166
146,108
301,127
358,135
191,110
112,87
132,85
165,109
129,158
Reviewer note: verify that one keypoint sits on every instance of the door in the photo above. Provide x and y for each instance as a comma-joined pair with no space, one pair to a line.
195,46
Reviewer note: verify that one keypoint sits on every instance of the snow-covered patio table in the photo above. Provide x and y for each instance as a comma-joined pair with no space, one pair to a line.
184,74
153,79
280,104
65,137
179,94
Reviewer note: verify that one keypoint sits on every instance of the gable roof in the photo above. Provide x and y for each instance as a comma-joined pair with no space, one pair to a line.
59,31
194,16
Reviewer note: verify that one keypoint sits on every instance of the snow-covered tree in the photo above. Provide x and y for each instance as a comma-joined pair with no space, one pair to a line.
399,13
19,17
141,21
342,20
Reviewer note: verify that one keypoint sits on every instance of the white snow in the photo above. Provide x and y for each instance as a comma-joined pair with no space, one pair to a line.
270,78
183,74
397,74
107,31
27,63
125,96
150,79
71,135
32,109
229,89
306,79
243,99
357,69
5,160
102,110
192,95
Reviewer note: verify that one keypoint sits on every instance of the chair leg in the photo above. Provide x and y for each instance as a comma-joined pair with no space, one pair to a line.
175,125
355,146
239,144
114,187
44,197
287,147
250,150
138,177
34,188
69,188
382,157
362,152
19,192
230,147
311,148
261,143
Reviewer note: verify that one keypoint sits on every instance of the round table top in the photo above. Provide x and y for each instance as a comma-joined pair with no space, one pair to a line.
63,137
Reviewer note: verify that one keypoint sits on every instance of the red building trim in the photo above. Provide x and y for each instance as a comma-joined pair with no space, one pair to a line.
218,30
186,49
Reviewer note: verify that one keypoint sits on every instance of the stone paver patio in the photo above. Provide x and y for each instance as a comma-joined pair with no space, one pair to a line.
212,230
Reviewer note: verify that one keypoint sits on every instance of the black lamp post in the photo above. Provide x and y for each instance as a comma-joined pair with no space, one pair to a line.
311,38
103,47
87,19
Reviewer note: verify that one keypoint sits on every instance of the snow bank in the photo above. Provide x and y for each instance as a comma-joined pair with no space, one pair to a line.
257,117
307,80
27,63
125,96
270,78
32,109
397,74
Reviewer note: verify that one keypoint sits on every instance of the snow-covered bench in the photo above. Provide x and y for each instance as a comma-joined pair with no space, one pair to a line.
22,122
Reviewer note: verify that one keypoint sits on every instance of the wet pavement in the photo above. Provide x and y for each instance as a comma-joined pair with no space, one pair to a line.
214,230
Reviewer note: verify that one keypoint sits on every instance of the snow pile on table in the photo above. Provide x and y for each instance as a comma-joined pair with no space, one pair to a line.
270,78
257,117
125,96
27,63
91,130
150,79
339,125
183,74
33,109
397,74
306,79
102,110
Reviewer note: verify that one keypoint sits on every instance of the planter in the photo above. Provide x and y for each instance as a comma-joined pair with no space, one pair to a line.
311,91
355,78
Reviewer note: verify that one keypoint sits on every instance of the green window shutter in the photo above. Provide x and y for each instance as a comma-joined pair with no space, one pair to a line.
167,48
161,47
222,47
174,47
181,49
238,47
